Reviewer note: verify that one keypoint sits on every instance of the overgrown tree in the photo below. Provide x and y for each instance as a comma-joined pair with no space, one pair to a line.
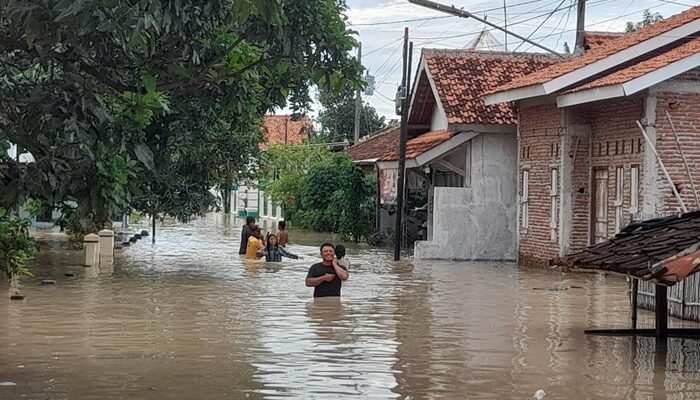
648,18
337,197
95,90
337,117
283,172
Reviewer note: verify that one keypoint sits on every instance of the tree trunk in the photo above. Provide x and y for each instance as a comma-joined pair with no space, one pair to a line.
14,283
226,195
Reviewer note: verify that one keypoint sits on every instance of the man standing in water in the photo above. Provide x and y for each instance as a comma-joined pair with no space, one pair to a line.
325,277
245,234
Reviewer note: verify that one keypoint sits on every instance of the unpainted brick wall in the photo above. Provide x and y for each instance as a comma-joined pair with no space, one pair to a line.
617,142
684,109
614,141
540,138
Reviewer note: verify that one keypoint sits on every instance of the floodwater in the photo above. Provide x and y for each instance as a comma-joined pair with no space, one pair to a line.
188,319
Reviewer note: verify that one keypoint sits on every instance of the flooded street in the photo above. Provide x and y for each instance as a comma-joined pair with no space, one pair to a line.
188,319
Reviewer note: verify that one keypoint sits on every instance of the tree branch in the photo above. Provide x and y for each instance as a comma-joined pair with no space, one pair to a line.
217,60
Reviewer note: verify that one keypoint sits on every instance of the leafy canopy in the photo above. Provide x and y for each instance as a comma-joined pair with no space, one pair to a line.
104,93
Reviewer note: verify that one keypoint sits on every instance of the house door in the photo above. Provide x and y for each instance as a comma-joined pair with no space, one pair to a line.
599,207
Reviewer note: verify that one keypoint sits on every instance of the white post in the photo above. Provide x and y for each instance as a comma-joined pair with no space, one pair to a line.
106,242
91,250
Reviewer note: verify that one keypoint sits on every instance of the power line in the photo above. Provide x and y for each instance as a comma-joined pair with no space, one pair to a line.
403,21
430,40
568,15
604,21
676,3
542,23
379,69
387,44
521,22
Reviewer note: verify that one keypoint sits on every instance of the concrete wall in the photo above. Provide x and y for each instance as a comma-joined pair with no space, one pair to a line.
268,208
439,120
479,222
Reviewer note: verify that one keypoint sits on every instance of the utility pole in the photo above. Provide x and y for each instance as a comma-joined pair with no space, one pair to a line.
466,14
405,85
358,100
505,24
286,125
580,27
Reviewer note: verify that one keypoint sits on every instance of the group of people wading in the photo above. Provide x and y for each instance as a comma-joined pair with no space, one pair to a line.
325,277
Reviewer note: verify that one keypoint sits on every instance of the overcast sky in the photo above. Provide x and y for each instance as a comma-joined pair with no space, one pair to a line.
381,42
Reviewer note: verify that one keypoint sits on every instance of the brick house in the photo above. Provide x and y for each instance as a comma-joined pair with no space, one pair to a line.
584,167
463,151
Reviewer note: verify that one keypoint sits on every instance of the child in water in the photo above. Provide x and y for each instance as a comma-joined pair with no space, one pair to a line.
340,259
255,243
282,235
273,252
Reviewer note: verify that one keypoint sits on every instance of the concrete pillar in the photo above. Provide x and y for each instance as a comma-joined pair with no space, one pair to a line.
106,242
91,250
652,192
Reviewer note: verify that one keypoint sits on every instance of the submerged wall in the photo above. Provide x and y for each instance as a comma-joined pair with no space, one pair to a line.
478,222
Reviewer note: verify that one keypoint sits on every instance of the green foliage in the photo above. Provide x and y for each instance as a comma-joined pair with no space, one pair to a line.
76,224
17,248
648,18
416,198
123,104
136,217
333,196
337,117
33,207
278,161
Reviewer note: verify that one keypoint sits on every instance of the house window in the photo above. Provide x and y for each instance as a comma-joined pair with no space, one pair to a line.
554,216
265,201
274,210
524,198
634,189
619,191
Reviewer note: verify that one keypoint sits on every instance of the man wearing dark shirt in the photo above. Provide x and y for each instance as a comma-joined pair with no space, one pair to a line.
245,234
324,277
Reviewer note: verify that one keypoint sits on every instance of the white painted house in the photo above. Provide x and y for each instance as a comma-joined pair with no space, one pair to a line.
466,151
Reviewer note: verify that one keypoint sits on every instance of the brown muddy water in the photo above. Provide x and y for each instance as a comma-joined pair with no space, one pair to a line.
188,319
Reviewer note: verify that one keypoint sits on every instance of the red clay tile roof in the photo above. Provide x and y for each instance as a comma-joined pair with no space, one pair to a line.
656,61
604,50
656,250
462,77
419,145
376,145
596,39
274,129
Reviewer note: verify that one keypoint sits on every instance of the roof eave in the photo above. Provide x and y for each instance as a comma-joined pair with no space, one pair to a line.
368,161
631,87
514,94
591,95
444,148
622,56
483,128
